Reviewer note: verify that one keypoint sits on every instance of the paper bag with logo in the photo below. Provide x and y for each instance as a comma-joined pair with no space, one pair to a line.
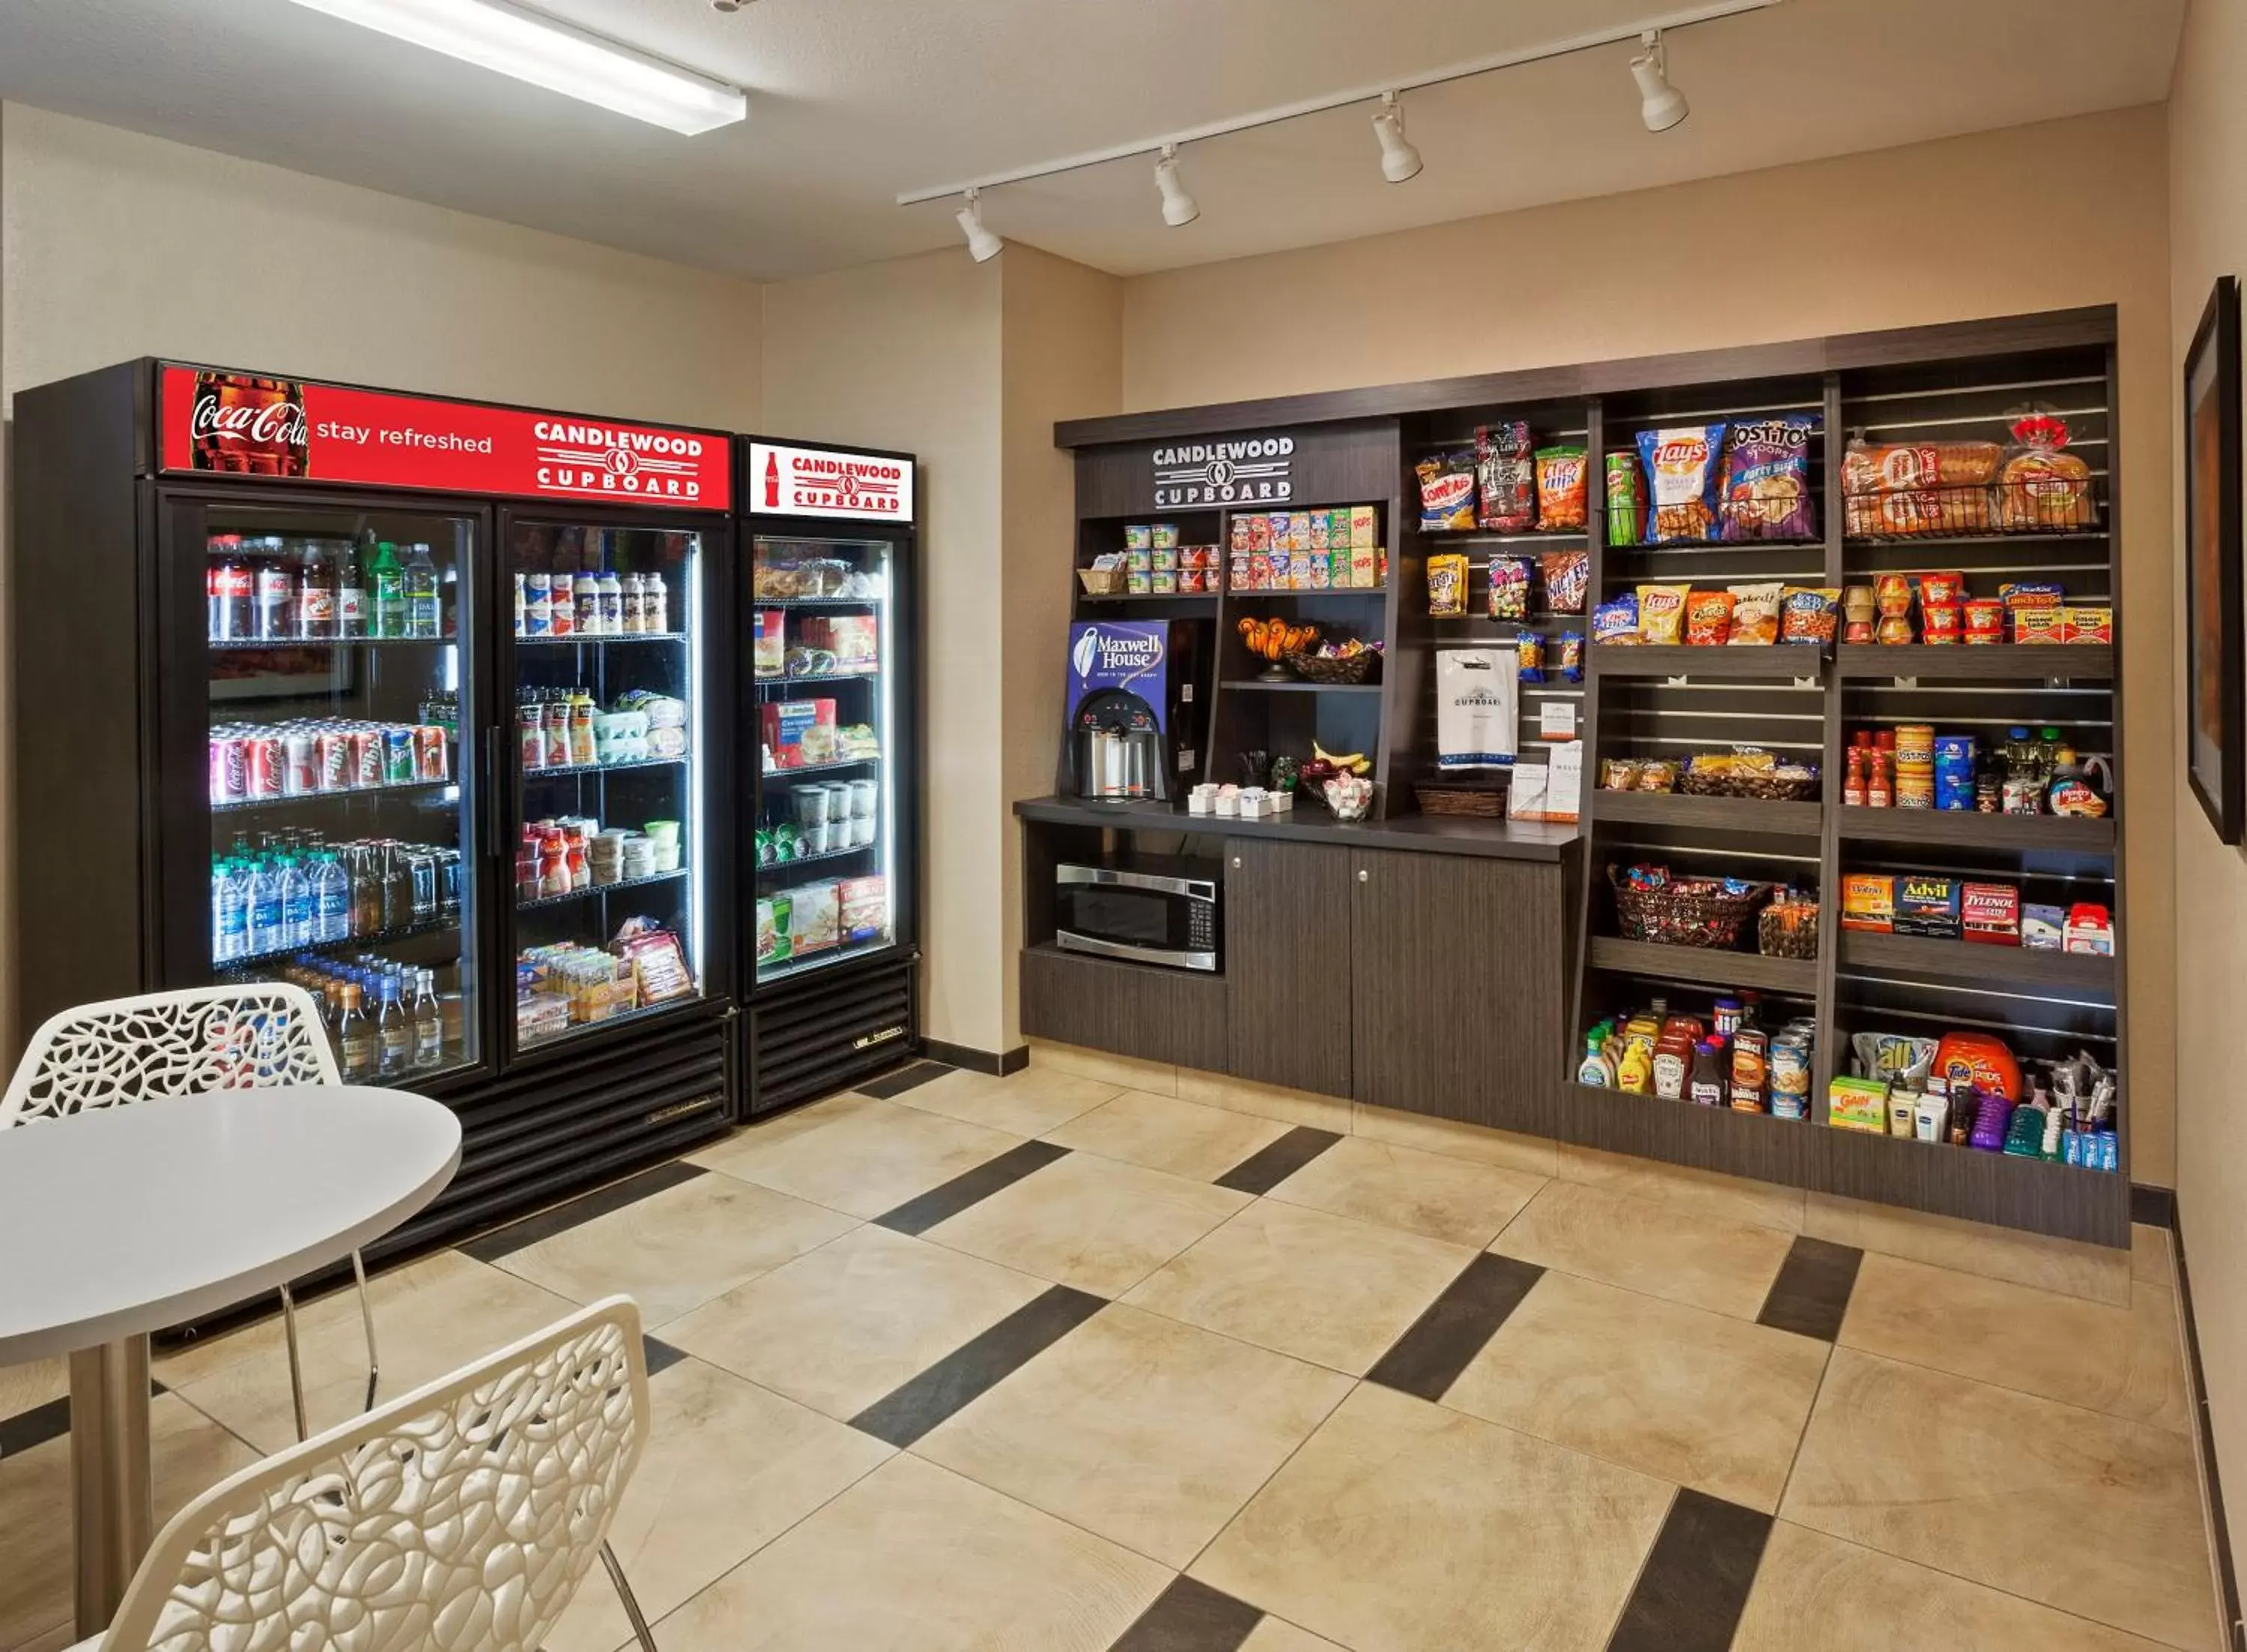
1477,707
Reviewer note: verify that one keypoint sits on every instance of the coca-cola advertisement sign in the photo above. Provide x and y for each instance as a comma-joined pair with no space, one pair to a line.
248,425
786,480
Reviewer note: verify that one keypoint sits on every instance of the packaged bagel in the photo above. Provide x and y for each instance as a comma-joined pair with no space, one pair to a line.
1684,478
1767,479
1506,478
1708,617
1755,613
1447,492
1563,481
2041,486
1661,613
1808,614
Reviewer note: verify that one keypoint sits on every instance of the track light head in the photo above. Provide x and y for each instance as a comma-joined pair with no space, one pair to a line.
983,245
1660,105
1400,161
1178,207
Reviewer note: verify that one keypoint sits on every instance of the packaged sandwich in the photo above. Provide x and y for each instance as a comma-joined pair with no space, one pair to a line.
1683,481
1767,479
1505,477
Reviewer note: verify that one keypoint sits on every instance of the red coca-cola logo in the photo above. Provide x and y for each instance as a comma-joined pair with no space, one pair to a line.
269,422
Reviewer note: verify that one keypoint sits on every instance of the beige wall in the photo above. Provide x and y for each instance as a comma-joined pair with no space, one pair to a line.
906,354
1897,238
2207,237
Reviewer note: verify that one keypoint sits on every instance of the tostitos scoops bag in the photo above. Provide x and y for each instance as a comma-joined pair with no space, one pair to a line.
1767,479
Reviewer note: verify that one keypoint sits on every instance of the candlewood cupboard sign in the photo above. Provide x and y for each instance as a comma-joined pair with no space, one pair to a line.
1235,471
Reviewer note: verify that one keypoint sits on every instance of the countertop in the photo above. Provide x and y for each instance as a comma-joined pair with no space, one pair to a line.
1424,834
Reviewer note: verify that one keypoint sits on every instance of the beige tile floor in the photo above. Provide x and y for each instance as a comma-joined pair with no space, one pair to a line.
1975,1462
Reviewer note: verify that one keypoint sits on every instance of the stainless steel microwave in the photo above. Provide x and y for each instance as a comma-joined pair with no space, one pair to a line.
1152,911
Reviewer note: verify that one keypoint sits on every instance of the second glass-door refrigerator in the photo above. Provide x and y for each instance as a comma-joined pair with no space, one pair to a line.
828,636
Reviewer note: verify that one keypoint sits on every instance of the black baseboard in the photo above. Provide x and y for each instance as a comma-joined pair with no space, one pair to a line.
977,1060
2155,1206
2235,1636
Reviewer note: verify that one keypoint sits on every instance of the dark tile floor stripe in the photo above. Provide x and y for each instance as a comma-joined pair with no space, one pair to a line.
661,1356
1190,1616
50,1421
1696,1580
1274,1163
909,1411
506,1241
1811,1294
1429,1357
903,1078
972,1187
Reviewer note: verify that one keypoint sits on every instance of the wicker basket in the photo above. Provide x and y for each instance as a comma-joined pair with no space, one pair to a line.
1487,801
1681,918
1765,788
1325,668
1102,582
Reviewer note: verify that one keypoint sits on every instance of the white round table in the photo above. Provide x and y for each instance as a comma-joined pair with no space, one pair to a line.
127,1220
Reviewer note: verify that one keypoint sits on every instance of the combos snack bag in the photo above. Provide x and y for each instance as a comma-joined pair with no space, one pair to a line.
1755,613
1683,481
1506,475
1567,575
1708,617
1447,586
1626,501
1661,613
1767,479
2041,487
1563,481
1447,492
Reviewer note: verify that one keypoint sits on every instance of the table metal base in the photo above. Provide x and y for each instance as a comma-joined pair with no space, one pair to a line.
112,1491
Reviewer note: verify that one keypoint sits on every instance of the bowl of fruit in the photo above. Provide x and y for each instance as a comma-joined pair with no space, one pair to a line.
1276,640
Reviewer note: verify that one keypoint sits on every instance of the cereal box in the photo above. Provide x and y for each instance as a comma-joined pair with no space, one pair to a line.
1279,520
1363,526
1361,572
1320,524
1240,534
1321,569
1298,569
1299,531
1260,570
1260,532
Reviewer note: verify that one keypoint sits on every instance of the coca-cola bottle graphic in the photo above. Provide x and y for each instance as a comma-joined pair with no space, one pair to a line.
250,427
772,481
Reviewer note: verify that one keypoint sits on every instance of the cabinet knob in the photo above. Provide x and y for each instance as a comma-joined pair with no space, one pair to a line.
1236,862
1363,876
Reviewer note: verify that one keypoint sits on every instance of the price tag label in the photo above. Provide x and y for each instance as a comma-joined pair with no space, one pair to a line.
1556,720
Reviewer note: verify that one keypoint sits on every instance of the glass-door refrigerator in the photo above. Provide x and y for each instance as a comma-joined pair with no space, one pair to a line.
276,681
830,641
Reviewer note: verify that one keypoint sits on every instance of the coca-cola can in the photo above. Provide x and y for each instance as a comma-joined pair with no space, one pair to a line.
429,756
261,752
366,755
229,768
300,765
331,750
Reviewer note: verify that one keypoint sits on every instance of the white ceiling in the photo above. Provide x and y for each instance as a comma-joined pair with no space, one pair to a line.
853,101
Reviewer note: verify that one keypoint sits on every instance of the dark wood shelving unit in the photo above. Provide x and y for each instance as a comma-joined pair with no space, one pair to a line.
1925,958
1254,684
1705,965
1962,829
1722,814
1779,659
2070,662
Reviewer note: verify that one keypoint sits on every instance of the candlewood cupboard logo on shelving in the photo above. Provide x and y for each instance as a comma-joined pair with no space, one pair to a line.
1244,470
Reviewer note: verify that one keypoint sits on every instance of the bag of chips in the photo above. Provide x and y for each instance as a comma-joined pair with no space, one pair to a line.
1626,501
1506,476
1808,613
1572,656
1447,586
1447,492
1567,575
1755,613
1509,588
1616,622
1529,649
1661,613
1683,481
1767,479
1708,617
1563,479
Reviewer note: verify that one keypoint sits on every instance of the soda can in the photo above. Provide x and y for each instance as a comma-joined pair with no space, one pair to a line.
396,756
331,750
230,767
421,873
300,769
448,881
430,761
366,755
261,752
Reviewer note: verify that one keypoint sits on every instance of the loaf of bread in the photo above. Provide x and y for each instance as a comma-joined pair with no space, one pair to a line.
1918,487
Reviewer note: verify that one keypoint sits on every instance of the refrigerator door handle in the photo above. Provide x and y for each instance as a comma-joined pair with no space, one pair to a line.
492,845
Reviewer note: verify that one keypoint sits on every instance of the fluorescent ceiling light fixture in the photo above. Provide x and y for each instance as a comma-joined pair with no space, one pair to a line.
983,245
528,45
1178,207
1660,105
1400,161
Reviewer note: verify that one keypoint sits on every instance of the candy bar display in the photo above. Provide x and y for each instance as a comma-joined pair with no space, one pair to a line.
1338,549
1967,1089
1911,766
1728,1059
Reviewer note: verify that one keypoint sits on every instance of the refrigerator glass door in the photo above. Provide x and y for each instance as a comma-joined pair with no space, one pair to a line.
342,814
609,854
825,646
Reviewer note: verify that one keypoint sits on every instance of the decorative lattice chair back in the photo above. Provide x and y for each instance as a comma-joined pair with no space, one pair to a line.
460,1518
183,1043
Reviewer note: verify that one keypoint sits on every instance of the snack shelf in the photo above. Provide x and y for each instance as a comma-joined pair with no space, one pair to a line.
1248,594
1298,686
1194,598
822,768
1723,814
644,1013
826,957
600,639
813,860
764,683
591,890
349,943
1924,958
1557,536
251,645
1680,659
1978,535
1706,966
1870,1152
234,806
816,602
1983,662
1716,547
1965,829
563,771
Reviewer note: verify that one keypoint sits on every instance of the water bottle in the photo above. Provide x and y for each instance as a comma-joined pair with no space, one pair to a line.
296,903
263,895
421,601
229,912
332,900
428,1020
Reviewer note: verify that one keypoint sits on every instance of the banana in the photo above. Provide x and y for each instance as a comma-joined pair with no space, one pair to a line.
1355,762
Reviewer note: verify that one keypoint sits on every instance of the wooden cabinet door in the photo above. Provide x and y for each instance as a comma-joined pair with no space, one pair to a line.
1456,988
1286,964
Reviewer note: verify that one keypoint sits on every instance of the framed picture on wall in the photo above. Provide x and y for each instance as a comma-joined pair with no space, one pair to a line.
2215,692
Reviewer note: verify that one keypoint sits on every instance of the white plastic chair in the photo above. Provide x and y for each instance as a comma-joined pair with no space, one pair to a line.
462,1515
252,1037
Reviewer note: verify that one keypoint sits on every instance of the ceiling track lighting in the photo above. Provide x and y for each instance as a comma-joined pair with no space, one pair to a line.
1179,208
982,244
530,45
1400,161
1660,105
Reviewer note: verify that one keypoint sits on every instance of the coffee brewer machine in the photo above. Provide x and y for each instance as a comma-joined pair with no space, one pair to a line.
1133,709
